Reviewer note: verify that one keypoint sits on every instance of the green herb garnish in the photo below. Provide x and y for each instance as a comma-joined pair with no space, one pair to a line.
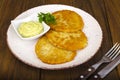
47,18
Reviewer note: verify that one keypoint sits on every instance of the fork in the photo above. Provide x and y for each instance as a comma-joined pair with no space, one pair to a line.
108,57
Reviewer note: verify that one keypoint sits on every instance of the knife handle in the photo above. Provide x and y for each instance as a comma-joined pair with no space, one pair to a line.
95,77
87,73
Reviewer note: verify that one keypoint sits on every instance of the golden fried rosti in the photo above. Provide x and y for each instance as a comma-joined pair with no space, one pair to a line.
68,41
67,21
51,54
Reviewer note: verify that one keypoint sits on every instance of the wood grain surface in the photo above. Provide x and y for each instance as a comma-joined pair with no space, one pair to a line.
106,12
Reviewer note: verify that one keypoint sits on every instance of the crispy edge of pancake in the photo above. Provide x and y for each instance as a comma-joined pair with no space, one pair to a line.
50,54
68,41
67,21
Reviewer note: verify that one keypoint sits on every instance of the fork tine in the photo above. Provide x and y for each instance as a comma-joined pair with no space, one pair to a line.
116,55
113,51
107,54
117,52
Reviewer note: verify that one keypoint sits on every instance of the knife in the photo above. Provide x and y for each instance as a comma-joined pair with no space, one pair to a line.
106,70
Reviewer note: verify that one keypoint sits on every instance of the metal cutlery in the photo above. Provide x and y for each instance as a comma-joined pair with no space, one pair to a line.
102,73
108,57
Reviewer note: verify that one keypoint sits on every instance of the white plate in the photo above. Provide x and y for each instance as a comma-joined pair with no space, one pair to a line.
24,50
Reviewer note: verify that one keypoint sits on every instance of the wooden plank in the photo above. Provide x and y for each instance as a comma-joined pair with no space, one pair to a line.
113,14
23,71
10,67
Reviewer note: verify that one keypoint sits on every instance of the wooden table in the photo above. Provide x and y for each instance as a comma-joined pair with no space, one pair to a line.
107,12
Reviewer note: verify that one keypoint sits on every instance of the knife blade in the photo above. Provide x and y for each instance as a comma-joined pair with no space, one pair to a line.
106,70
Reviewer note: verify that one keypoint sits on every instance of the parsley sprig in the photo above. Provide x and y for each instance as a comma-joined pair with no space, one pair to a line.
47,18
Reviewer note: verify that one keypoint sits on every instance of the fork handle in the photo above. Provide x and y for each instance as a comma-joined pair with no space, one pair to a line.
87,73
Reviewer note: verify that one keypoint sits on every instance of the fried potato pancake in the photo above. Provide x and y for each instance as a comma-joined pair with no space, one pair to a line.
50,54
67,21
69,41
